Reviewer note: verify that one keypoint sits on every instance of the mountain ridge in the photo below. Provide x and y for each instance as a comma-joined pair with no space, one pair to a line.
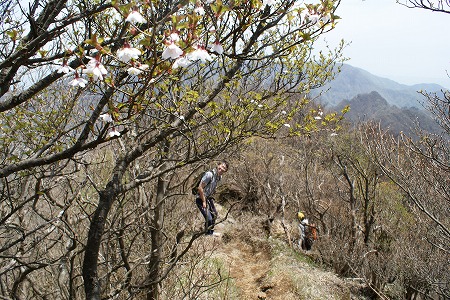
352,81
372,106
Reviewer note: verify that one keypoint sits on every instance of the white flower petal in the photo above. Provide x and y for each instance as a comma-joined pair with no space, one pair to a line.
174,37
200,54
134,71
106,118
217,47
181,62
65,69
127,53
78,81
135,17
199,10
172,51
113,133
268,2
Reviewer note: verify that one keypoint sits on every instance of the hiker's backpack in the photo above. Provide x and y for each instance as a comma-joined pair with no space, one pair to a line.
314,232
310,235
197,180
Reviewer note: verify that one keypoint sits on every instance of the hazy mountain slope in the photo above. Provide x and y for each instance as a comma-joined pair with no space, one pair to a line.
372,106
352,81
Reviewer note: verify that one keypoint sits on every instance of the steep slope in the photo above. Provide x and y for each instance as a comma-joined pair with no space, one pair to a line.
352,81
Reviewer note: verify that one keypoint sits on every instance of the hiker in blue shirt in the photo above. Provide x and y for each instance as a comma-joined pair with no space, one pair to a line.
204,199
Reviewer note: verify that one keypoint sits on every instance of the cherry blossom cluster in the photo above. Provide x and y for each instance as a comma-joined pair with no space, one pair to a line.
172,51
130,55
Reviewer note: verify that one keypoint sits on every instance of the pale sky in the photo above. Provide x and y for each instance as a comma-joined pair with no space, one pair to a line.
409,46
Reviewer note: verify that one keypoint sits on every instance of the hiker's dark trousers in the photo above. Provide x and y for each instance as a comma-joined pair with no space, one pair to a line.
210,214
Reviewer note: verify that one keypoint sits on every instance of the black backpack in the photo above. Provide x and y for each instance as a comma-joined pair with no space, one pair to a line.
197,181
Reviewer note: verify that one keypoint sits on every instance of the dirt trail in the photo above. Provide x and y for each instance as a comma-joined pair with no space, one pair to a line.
267,269
248,267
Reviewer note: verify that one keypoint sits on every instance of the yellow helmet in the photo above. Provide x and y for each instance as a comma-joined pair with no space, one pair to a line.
300,215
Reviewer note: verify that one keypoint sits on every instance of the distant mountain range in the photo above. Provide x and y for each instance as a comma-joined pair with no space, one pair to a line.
352,81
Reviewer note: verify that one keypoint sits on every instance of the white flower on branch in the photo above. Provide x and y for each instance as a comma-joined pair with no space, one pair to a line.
181,62
199,10
217,47
65,68
95,68
113,133
172,51
314,19
138,70
135,17
174,37
127,53
268,2
199,54
78,81
106,118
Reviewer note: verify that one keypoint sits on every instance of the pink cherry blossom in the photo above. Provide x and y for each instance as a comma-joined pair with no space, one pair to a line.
172,51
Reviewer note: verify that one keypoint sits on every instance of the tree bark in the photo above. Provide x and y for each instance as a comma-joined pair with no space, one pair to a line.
90,275
157,235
